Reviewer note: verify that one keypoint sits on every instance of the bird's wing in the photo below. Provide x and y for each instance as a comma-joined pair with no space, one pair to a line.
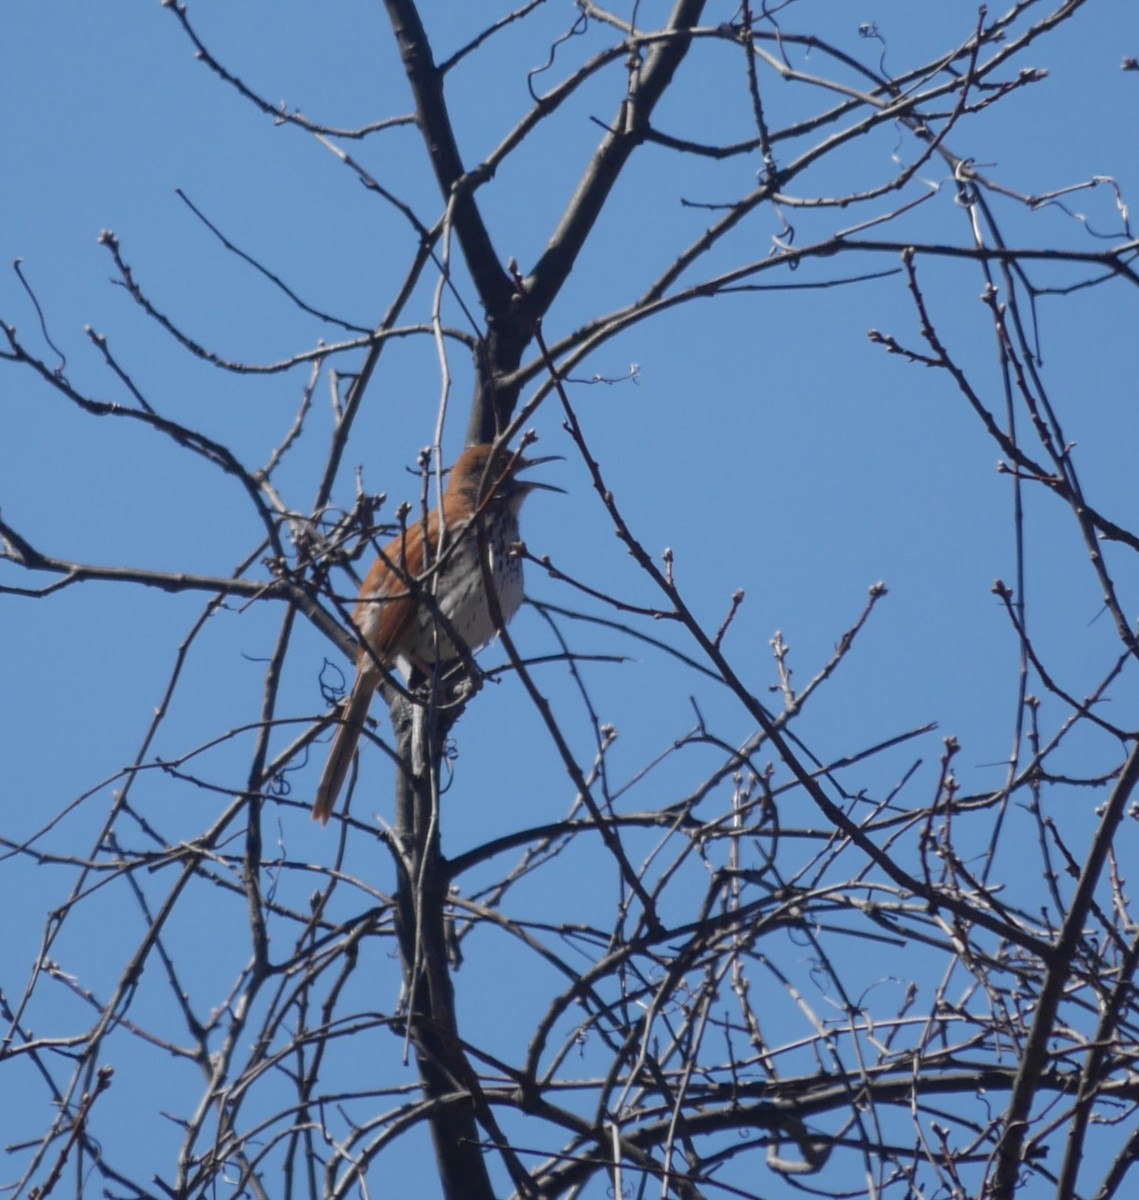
387,606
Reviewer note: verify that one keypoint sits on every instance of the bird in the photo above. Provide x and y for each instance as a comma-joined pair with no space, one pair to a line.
427,586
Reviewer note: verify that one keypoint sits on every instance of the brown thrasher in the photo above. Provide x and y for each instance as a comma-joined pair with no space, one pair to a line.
427,585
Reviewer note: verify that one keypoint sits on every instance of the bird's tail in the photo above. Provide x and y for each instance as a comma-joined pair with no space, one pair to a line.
344,746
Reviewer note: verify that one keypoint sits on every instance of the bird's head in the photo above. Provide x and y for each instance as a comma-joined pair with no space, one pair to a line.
479,472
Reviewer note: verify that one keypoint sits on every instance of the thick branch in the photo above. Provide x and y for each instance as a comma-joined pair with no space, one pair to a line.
626,133
426,80
1034,1057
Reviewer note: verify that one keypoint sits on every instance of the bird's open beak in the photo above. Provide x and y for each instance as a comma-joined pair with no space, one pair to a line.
526,463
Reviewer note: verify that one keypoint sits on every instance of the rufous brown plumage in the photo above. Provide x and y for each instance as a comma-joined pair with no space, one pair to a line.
409,626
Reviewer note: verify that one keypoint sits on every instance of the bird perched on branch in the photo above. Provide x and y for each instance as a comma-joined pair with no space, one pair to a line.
427,589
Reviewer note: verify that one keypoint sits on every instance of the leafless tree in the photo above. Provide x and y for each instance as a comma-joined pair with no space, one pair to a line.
808,970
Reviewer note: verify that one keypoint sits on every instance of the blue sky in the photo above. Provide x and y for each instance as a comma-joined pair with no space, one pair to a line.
764,439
